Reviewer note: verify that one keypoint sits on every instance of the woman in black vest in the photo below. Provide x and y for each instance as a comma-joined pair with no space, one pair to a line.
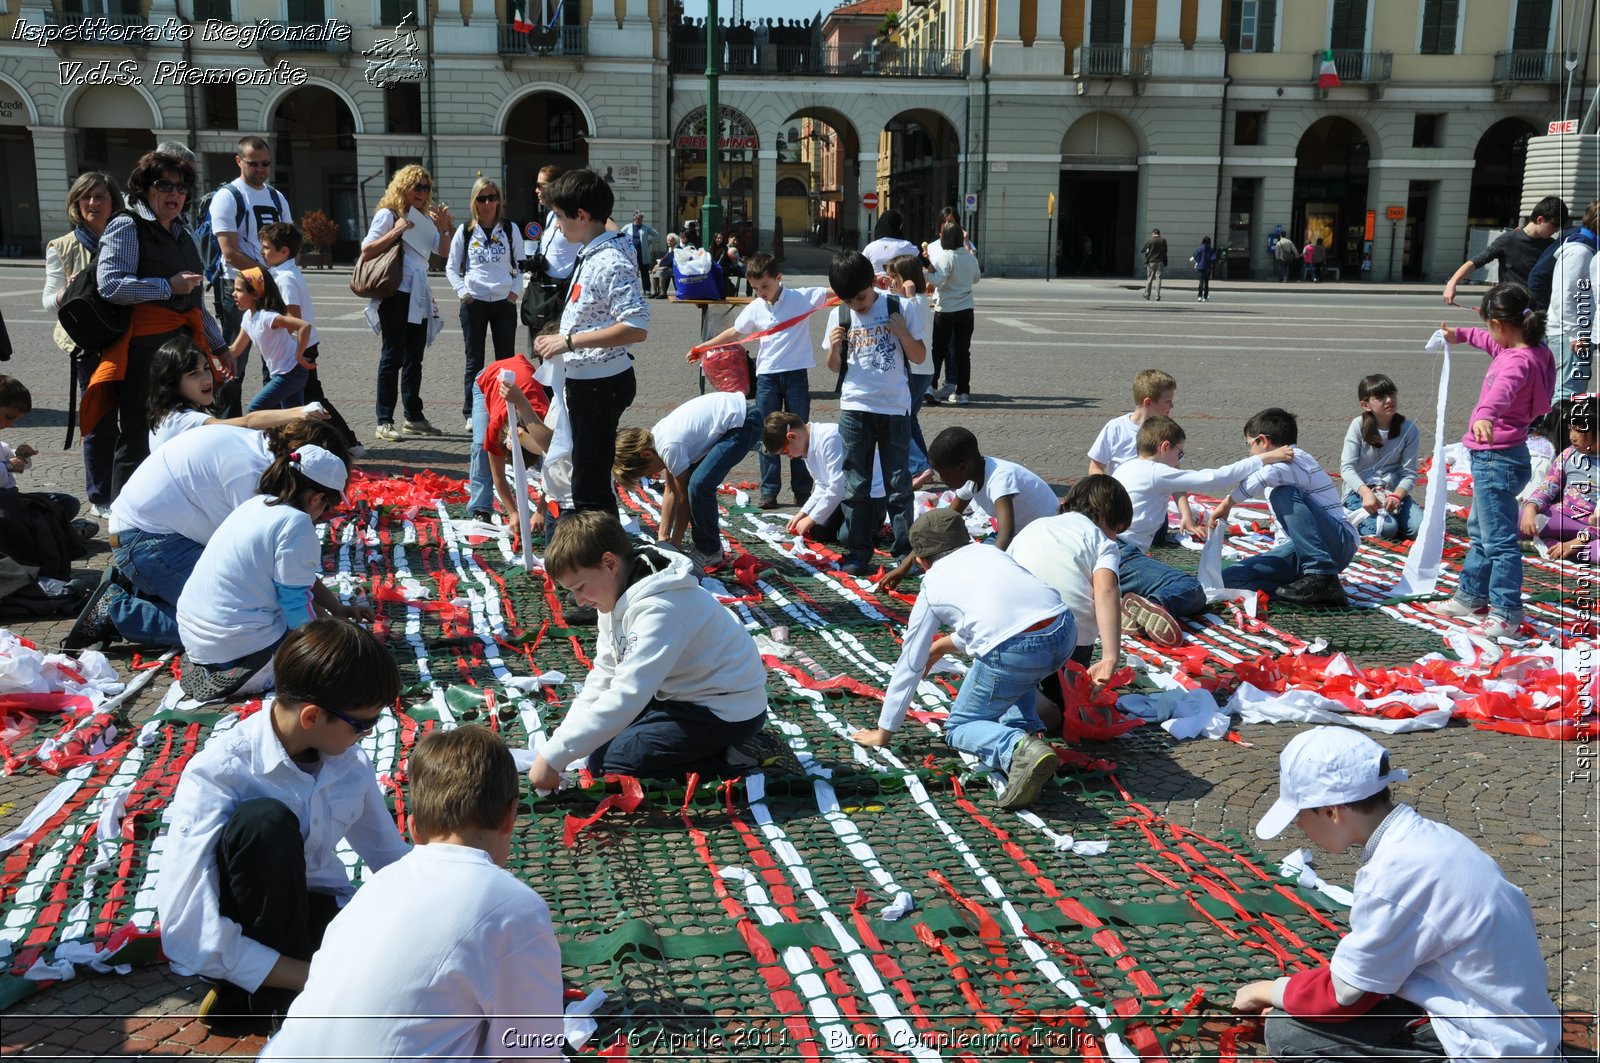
148,261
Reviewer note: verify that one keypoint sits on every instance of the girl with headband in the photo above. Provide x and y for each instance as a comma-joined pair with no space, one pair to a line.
282,339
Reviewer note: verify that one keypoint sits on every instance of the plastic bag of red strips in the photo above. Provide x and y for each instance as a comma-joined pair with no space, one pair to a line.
730,368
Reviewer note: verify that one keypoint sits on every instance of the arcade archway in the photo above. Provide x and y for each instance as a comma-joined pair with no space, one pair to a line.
1330,192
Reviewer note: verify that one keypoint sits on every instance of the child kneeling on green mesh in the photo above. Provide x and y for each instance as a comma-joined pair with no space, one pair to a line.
1017,630
677,680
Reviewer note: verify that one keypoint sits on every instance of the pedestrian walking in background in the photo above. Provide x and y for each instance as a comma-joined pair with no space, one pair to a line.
1155,260
1205,260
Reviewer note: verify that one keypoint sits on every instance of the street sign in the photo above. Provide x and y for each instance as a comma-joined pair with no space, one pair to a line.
534,230
971,200
869,201
1396,214
1569,127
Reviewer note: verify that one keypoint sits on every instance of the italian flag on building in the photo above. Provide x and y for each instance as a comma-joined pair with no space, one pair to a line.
1327,74
519,21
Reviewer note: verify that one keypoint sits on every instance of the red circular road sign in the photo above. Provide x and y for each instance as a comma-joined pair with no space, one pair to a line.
869,201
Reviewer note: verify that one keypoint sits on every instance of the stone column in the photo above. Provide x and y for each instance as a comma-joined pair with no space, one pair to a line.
867,164
55,158
766,199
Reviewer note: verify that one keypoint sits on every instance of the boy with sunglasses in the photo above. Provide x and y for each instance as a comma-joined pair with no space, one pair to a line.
248,873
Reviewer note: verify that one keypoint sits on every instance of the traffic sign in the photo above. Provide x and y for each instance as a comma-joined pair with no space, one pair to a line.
533,229
971,200
1397,214
869,201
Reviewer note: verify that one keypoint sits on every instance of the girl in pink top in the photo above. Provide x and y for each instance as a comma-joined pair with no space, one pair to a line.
1516,390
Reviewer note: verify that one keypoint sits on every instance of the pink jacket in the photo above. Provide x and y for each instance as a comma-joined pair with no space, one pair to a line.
1516,389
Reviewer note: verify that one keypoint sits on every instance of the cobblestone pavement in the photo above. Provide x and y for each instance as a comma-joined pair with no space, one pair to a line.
1052,362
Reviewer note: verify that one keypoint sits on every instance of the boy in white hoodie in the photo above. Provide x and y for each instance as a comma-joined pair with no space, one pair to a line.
676,681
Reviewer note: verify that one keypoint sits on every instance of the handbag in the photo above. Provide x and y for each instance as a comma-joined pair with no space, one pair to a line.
93,321
730,368
379,277
542,300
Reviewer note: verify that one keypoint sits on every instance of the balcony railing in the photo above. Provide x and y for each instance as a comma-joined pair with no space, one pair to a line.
1110,61
93,28
1355,66
560,40
875,60
290,40
1525,66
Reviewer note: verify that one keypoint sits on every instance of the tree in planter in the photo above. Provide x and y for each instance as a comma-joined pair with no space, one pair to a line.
319,232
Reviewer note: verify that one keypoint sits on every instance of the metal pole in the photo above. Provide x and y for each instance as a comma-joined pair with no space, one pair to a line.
1049,225
711,206
1394,238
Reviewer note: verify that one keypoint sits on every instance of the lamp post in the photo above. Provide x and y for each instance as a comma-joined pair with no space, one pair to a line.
711,206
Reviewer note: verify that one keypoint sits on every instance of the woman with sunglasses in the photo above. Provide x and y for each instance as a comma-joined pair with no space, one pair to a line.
147,261
407,215
482,267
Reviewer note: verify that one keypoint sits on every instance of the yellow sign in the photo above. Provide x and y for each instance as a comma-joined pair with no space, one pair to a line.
1050,206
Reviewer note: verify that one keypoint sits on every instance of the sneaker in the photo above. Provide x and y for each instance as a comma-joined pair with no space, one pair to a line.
467,426
708,563
94,625
1495,626
768,502
1152,619
962,399
85,530
1315,588
100,512
856,566
387,433
484,515
421,428
1033,762
764,751
1455,609
944,392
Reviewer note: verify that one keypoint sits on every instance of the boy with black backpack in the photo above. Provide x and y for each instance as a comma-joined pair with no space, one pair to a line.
871,355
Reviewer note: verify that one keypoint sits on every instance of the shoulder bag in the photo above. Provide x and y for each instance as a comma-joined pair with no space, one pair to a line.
379,277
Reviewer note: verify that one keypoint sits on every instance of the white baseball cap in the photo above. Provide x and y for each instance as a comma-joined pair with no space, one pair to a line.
1326,766
321,467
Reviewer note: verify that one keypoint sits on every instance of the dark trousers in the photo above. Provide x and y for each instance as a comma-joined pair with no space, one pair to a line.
100,445
133,425
314,393
1205,284
672,739
400,358
595,408
261,885
952,348
1391,1030
478,317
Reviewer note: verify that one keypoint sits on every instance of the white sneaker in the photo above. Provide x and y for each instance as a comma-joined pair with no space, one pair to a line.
1455,608
943,393
467,426
1495,626
387,433
421,428
962,399
100,512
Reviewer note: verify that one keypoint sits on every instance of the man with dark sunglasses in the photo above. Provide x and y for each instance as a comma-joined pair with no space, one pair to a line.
250,875
239,209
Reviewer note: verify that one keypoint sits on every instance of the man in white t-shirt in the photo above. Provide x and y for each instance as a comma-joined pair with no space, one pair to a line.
239,209
479,978
692,448
1442,960
1306,502
783,361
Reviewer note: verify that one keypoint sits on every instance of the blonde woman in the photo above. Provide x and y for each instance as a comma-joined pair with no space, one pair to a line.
91,201
406,214
482,267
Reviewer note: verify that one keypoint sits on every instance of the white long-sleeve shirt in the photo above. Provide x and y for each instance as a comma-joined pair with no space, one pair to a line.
1150,483
984,597
825,461
484,265
341,800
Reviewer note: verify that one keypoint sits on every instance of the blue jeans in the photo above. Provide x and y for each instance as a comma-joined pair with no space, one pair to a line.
282,391
1492,570
671,739
889,434
1317,546
1407,518
704,476
1175,591
480,484
158,566
994,709
789,391
920,383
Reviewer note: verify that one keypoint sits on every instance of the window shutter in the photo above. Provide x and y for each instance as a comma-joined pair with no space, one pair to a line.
1439,19
1266,25
1234,27
1349,25
1531,30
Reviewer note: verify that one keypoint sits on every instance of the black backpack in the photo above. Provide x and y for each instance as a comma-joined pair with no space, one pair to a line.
507,226
842,320
212,267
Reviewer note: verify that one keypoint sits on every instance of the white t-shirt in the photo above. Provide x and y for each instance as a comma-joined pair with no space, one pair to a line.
982,597
917,313
260,208
875,376
685,435
176,423
825,461
277,345
1117,442
478,978
791,348
1436,922
192,483
1065,551
1303,472
292,286
230,606
1031,498
560,254
879,252
1150,483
